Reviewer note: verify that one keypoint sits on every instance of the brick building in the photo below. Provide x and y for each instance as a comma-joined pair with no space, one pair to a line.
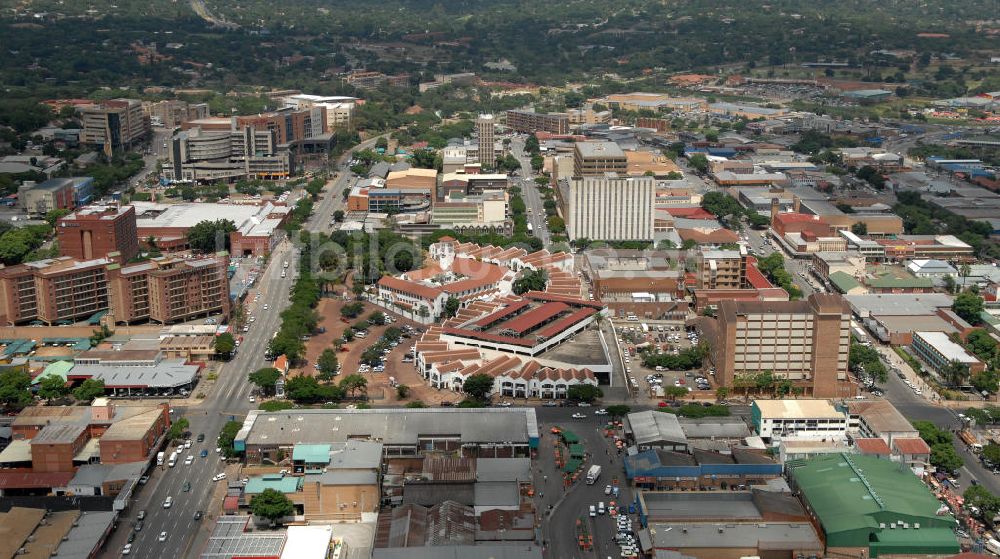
96,231
530,122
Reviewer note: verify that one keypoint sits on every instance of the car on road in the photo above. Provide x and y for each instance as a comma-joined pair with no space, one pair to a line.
505,404
204,452
189,460
607,489
219,477
187,486
252,399
550,404
601,411
127,549
201,437
141,515
593,510
197,515
143,480
168,502
579,415
162,537
131,537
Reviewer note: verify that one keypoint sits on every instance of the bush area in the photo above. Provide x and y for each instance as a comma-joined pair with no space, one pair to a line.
685,360
697,410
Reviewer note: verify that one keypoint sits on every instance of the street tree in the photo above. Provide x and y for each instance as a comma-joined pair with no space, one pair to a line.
89,389
272,505
584,393
351,384
478,386
327,364
265,378
451,306
618,410
52,387
14,388
224,344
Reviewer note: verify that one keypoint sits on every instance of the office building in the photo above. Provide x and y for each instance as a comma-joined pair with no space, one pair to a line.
96,231
289,125
258,226
172,112
611,208
486,132
363,79
529,122
592,159
199,155
114,125
53,194
424,180
339,109
806,342
64,290
775,420
939,351
721,269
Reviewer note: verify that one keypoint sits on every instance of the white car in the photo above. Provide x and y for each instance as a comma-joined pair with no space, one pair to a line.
252,399
578,415
219,477
601,412
189,460
607,489
127,549
265,306
162,537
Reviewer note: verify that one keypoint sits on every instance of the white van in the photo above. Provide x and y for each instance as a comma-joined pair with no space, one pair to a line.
593,510
600,507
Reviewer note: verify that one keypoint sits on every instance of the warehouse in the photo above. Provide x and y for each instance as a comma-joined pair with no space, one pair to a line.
867,505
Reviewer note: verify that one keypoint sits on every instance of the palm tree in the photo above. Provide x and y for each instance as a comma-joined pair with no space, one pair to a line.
955,373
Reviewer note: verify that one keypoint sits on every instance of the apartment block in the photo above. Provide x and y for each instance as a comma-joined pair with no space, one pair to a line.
339,109
721,269
114,125
96,231
173,112
529,122
806,342
611,208
66,290
597,158
363,79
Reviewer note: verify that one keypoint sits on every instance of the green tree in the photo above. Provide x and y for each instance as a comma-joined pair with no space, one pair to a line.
968,305
265,378
52,387
699,162
944,456
981,498
377,318
955,373
531,280
338,216
353,383
226,437
721,393
451,306
416,404
178,428
52,216
14,386
327,364
272,505
583,393
89,389
224,344
478,386
402,392
860,228
210,236
674,392
618,410
276,405
991,452
986,381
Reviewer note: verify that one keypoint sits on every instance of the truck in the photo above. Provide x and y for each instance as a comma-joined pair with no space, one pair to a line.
859,335
993,546
159,458
970,439
592,474
645,328
173,459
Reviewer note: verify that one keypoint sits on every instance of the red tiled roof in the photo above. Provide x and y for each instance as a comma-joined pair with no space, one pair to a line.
534,317
542,296
488,320
231,503
410,288
792,217
488,337
565,322
479,274
450,355
34,480
691,213
872,446
913,445
755,277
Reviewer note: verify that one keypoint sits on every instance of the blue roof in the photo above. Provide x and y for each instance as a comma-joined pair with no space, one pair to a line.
311,453
285,484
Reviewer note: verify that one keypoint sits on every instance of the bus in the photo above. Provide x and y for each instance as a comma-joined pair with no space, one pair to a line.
531,229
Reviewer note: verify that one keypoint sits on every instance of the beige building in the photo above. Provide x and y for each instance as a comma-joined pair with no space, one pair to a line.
806,342
597,158
721,269
611,208
413,179
486,126
113,125
588,115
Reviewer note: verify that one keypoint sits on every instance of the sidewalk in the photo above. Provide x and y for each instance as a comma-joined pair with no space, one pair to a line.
927,392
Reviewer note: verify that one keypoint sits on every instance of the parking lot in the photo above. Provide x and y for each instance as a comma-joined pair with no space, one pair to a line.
663,338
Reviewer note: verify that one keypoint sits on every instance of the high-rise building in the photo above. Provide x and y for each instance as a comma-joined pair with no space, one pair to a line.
95,231
114,125
597,158
721,269
204,156
611,208
805,342
486,130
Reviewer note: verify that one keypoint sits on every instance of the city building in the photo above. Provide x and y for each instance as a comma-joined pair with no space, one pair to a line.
96,231
364,79
424,180
775,420
529,122
878,419
114,125
587,115
805,342
339,109
199,155
939,351
486,137
171,113
76,534
486,212
648,284
643,163
610,208
64,290
721,269
258,225
865,504
63,193
592,159
288,125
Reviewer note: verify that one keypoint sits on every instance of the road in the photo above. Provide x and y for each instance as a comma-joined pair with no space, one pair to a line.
529,190
229,397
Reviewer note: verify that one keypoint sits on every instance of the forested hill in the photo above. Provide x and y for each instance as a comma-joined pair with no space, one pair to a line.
547,41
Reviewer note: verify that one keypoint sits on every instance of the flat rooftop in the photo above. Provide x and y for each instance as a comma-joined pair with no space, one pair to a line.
600,150
677,506
798,536
792,409
389,426
898,303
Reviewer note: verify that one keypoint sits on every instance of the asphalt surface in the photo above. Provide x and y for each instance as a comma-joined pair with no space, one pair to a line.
228,397
529,190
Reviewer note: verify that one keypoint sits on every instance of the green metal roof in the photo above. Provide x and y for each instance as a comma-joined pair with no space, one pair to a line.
989,319
844,282
913,541
890,281
285,484
852,495
311,453
59,368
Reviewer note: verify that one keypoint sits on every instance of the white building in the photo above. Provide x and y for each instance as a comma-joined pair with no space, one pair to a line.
611,208
798,419
339,109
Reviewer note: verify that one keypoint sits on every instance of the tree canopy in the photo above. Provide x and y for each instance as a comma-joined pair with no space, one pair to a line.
478,386
210,236
271,505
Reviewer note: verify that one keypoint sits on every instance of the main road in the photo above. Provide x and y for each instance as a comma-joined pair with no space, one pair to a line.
529,190
227,397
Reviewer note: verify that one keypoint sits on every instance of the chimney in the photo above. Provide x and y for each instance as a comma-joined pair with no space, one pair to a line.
102,410
775,208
